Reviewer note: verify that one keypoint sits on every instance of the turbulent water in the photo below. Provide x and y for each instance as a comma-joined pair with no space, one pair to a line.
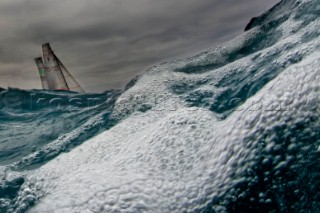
234,129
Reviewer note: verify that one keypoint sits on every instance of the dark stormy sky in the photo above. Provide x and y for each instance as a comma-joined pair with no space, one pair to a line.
104,43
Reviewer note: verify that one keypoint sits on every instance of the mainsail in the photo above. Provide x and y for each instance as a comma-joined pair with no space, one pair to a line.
54,75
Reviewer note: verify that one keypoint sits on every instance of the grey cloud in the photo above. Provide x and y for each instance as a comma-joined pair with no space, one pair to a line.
105,43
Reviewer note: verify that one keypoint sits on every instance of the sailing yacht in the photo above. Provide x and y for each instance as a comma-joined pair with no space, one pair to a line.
53,74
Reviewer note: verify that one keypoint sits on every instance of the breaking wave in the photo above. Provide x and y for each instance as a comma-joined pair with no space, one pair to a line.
233,129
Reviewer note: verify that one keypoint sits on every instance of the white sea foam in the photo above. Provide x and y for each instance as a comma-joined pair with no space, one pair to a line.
182,158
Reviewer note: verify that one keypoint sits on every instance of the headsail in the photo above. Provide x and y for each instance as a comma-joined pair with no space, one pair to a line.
55,78
70,80
42,72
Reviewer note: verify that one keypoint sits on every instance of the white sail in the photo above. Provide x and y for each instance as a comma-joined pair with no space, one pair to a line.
42,73
54,75
55,78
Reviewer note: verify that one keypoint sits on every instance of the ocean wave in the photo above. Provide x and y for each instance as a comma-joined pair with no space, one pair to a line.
234,129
